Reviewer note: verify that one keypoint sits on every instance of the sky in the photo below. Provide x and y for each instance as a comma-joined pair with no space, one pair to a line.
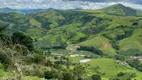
67,4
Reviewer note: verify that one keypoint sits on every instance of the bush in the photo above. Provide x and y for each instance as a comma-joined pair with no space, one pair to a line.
67,76
124,76
132,52
119,57
135,23
135,63
121,74
96,77
20,38
91,49
5,60
1,66
33,70
53,74
37,58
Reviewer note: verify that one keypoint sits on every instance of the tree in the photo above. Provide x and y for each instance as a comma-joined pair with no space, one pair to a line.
132,52
79,71
96,77
37,58
121,74
3,37
48,75
20,38
5,59
67,76
53,74
135,63
1,30
119,57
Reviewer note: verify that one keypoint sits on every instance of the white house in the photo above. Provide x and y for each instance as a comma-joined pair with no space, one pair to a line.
85,60
74,55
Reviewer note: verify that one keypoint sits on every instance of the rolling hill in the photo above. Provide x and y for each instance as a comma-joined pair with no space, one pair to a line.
119,9
108,37
23,11
107,31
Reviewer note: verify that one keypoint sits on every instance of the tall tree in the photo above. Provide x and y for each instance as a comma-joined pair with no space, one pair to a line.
20,38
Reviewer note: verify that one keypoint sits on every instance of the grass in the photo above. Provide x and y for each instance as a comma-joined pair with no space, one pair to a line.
111,68
97,43
35,32
35,23
31,78
108,66
76,59
133,41
4,74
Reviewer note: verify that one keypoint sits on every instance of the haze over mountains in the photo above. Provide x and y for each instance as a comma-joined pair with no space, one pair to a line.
23,11
67,4
28,11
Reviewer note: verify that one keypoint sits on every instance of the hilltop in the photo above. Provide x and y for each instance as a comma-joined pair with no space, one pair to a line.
116,9
119,9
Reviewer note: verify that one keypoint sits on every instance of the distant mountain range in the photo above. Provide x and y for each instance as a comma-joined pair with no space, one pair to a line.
116,9
26,11
23,11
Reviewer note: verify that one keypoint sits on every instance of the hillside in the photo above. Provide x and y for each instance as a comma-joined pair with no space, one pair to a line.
51,44
119,9
103,32
23,11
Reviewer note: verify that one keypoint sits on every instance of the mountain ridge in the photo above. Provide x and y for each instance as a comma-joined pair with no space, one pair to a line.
61,28
27,11
107,10
119,9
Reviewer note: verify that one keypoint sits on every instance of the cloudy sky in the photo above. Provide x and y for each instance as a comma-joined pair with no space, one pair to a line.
67,4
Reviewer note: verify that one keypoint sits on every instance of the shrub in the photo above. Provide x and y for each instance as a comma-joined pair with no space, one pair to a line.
91,49
121,74
96,77
131,52
20,38
135,63
5,60
119,57
53,74
67,76
37,58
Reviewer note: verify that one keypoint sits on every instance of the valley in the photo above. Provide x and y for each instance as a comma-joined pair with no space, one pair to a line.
72,44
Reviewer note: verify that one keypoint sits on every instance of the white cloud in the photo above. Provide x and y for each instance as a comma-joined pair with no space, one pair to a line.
63,4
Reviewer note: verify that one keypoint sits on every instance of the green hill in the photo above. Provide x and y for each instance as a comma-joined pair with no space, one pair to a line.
107,31
108,37
119,9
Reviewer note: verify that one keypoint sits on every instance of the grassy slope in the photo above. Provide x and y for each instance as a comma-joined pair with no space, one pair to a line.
96,42
70,26
133,41
108,66
112,68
